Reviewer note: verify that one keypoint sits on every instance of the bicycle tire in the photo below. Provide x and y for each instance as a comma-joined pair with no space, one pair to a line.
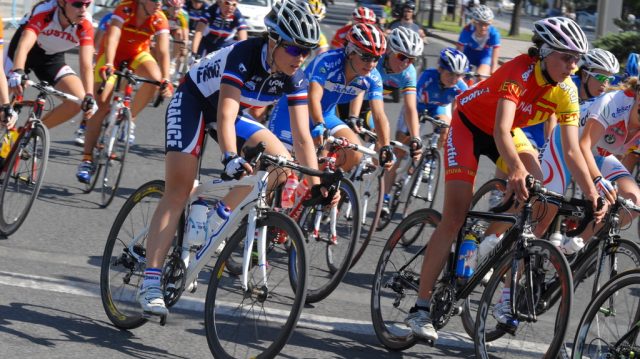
220,303
25,170
119,294
369,225
544,258
421,187
329,263
597,309
115,156
391,298
625,254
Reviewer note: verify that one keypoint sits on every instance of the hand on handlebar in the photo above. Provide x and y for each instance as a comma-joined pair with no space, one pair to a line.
387,157
8,116
415,148
235,167
355,123
517,184
166,89
16,81
605,189
106,71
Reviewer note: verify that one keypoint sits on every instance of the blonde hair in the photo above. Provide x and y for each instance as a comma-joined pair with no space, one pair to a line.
631,83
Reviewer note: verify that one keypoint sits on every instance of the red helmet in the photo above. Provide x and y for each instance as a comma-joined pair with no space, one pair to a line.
368,39
174,3
364,15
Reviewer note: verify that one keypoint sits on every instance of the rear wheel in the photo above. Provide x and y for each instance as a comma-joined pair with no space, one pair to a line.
424,183
371,194
22,177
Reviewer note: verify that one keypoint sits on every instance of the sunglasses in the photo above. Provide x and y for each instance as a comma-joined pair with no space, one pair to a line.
156,1
80,4
231,3
403,57
367,57
601,78
296,51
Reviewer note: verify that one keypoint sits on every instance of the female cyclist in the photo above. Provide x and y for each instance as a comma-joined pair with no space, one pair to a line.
359,15
340,76
527,90
8,117
221,25
52,28
251,73
480,41
609,127
132,25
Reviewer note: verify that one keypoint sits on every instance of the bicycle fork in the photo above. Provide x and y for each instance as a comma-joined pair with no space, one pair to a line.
261,236
333,216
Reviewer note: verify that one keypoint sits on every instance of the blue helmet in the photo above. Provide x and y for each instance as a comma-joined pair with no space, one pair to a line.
294,23
454,60
633,63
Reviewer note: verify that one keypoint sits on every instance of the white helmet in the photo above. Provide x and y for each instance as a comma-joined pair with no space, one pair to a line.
406,41
482,13
602,60
292,22
562,34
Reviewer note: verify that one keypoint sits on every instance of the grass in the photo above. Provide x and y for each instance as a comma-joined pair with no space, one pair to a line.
452,26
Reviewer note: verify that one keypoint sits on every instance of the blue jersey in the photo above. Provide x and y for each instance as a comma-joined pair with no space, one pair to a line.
244,66
405,80
220,30
195,15
432,96
478,51
104,22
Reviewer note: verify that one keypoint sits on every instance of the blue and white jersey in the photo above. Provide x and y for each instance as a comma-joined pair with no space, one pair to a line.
220,30
195,15
244,66
405,80
327,69
478,50
433,97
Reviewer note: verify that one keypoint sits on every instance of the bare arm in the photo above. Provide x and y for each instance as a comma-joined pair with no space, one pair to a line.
505,113
315,108
494,59
242,35
86,67
4,89
302,141
380,121
162,45
228,107
27,40
112,38
411,114
197,36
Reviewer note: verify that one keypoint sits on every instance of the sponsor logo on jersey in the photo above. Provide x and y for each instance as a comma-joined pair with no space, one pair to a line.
174,120
59,34
526,74
208,71
451,151
474,94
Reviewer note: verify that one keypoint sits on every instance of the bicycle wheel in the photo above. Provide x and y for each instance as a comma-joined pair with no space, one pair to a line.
488,195
25,169
621,256
396,281
99,158
609,327
258,321
543,325
371,195
423,188
122,269
116,150
329,263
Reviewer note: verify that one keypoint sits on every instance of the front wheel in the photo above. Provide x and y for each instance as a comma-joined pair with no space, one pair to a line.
609,327
397,278
542,325
257,321
424,183
22,179
117,147
371,194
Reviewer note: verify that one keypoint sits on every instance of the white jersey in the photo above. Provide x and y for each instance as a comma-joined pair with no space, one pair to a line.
612,111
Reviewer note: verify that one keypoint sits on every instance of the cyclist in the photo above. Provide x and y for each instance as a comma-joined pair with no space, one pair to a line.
195,9
52,28
526,90
319,10
480,41
221,25
360,15
179,29
397,71
608,128
407,19
132,25
340,76
254,72
8,116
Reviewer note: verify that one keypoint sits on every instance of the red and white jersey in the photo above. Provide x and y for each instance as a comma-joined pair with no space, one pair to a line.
44,21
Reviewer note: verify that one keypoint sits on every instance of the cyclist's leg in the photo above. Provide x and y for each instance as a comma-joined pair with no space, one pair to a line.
346,159
70,84
628,188
146,66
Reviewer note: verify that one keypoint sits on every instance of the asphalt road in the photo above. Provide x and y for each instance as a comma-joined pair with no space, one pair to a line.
49,274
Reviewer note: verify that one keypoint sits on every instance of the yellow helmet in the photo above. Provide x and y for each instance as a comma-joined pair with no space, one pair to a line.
318,9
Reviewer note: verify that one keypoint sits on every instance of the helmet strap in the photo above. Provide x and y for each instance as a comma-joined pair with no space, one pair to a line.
64,13
545,73
585,86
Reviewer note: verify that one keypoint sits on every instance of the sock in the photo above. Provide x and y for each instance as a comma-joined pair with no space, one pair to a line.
506,294
387,197
152,277
424,303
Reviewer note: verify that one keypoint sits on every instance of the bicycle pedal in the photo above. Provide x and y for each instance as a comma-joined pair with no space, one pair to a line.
192,287
457,310
507,328
155,318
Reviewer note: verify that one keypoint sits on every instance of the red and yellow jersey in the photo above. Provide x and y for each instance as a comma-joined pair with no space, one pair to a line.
135,38
521,81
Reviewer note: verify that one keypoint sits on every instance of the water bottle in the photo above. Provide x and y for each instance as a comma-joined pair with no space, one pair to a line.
467,257
289,190
301,190
217,220
197,223
486,246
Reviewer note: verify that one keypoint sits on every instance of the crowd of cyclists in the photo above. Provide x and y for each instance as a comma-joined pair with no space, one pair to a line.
290,87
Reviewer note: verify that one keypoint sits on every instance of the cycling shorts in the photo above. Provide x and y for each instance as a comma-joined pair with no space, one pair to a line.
189,114
466,142
522,143
133,65
556,172
49,68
